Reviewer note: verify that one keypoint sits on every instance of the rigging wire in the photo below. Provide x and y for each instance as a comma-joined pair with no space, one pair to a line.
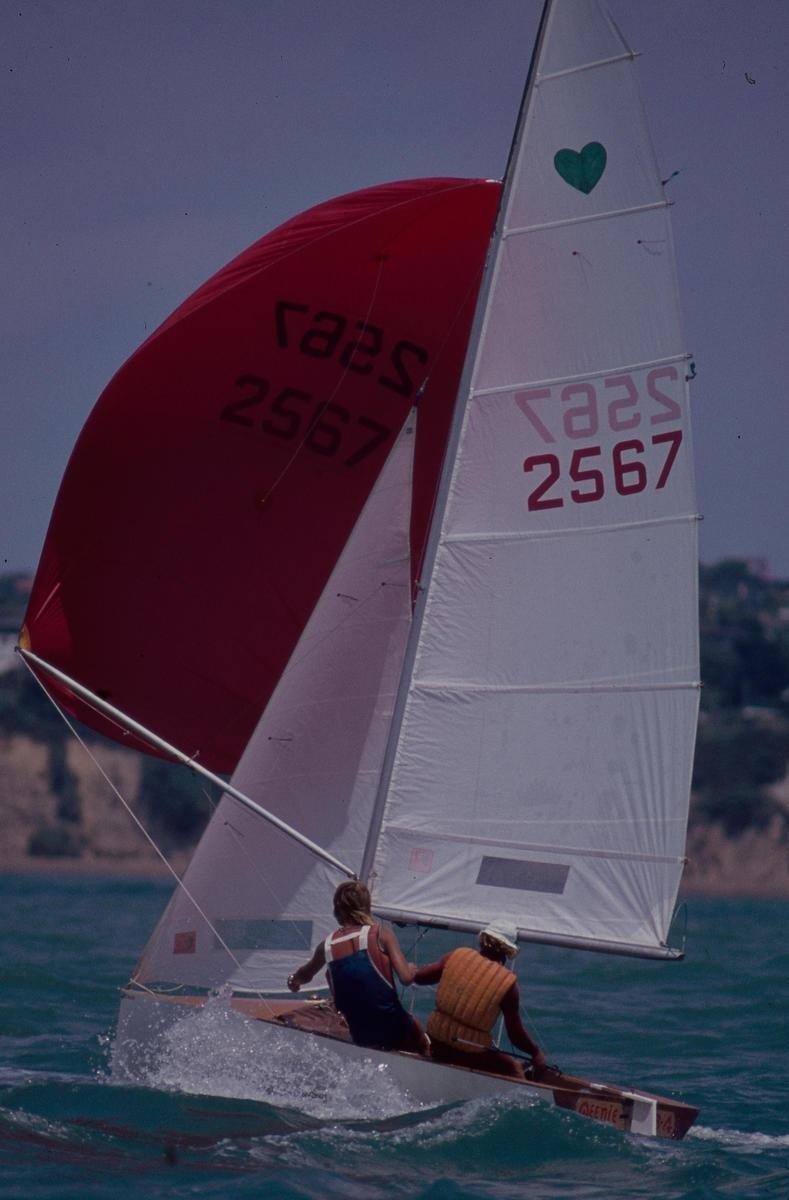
180,883
411,954
239,838
147,837
532,1028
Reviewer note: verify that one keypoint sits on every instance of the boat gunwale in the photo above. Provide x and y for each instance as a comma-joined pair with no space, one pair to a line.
565,1090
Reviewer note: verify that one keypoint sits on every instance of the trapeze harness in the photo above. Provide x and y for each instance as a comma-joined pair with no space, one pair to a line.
363,993
468,1001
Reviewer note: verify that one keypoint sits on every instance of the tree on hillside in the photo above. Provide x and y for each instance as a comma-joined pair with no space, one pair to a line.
177,802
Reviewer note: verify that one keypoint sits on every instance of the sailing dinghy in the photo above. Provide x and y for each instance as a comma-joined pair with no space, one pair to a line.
485,715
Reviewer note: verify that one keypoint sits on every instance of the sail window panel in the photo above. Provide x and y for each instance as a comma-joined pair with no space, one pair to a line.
604,772
592,107
249,933
523,875
610,899
314,760
237,899
245,869
580,32
579,299
627,602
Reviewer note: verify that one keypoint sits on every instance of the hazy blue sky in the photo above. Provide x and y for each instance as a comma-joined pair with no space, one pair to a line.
145,143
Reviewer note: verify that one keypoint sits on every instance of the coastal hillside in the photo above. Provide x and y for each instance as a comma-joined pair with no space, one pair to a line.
62,810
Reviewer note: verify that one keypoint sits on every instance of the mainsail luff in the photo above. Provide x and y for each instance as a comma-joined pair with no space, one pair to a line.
434,532
589,847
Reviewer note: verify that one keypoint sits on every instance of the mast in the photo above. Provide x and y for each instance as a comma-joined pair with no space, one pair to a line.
464,389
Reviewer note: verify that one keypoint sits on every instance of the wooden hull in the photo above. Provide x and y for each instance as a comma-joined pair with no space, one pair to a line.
145,1015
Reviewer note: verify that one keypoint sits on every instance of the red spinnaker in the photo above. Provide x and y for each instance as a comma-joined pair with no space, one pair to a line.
223,467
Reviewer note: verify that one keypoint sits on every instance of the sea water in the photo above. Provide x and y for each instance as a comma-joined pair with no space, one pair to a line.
222,1118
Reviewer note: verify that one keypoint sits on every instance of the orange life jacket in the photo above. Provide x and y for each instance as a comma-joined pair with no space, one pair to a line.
468,999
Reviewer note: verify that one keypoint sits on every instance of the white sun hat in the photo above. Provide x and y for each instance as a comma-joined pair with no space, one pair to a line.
503,932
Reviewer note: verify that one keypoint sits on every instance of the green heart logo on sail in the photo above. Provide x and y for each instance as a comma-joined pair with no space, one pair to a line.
582,171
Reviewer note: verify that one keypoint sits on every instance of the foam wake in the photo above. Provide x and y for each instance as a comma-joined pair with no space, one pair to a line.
754,1142
216,1051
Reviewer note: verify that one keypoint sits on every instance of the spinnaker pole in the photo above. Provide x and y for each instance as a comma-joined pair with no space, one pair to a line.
154,740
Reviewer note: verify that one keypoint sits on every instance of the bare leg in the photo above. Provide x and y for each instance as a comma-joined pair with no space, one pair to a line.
495,1061
415,1041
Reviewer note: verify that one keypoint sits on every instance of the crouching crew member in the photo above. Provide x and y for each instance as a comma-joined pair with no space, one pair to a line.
474,987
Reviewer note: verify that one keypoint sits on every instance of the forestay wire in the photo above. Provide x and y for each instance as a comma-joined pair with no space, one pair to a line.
160,853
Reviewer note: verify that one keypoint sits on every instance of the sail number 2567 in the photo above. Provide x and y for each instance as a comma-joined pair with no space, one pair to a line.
628,470
358,346
587,409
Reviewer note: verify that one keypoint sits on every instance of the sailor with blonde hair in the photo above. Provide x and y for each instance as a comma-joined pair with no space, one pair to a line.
362,958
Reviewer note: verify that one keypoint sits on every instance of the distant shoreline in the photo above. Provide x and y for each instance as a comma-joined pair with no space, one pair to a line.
110,868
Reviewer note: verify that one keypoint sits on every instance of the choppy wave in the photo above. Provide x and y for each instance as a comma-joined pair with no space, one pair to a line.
72,1129
219,1116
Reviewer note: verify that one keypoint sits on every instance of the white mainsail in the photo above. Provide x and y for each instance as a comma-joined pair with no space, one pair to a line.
314,760
542,751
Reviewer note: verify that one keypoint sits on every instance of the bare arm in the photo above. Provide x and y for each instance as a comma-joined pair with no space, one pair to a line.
308,970
510,1007
387,940
430,972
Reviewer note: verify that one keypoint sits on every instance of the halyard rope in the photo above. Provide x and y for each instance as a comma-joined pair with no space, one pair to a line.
327,401
412,952
419,392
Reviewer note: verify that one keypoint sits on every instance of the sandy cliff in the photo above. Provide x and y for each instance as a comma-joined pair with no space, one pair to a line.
755,864
27,804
